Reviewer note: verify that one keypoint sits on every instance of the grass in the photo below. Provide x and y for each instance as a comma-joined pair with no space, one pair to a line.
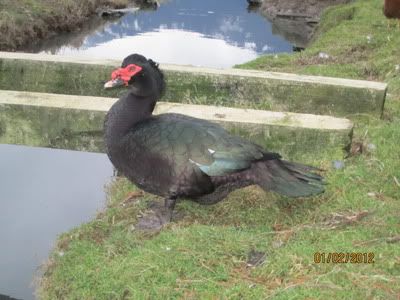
24,21
204,255
358,42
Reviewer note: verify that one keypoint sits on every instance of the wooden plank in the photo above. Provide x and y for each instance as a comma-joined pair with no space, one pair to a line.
186,84
76,123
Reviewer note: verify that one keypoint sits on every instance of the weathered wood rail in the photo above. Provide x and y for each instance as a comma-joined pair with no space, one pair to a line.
192,85
76,122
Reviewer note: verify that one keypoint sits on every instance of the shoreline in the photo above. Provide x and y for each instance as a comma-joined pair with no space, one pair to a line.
307,9
296,23
22,22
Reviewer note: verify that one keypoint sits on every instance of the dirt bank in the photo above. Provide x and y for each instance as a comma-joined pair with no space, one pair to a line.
305,8
296,19
23,22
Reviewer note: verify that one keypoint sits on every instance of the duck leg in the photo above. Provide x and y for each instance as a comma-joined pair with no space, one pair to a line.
165,214
169,204
159,216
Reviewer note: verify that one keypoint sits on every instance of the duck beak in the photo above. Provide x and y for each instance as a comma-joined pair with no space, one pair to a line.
114,83
122,76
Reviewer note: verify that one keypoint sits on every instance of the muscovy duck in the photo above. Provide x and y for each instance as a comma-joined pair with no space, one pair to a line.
177,156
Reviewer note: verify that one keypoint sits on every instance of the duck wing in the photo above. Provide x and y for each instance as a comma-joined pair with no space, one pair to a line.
185,141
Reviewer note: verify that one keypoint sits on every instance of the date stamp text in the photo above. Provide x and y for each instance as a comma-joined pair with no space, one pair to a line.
344,257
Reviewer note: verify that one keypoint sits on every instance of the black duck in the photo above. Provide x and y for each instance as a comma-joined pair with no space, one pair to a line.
177,156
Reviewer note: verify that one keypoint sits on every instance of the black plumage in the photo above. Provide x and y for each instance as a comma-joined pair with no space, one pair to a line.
176,156
391,9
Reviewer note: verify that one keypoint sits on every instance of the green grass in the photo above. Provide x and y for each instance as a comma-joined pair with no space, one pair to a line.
358,42
204,254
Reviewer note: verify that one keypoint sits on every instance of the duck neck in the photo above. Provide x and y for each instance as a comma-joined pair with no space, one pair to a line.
126,113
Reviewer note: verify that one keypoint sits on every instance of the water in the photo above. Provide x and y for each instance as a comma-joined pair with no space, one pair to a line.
43,193
203,33
46,192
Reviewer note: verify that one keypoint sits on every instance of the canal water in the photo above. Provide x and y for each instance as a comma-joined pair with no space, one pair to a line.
208,33
45,192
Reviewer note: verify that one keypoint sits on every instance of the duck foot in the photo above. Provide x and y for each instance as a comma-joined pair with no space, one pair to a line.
158,217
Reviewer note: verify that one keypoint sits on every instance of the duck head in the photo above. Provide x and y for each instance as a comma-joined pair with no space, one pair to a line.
141,75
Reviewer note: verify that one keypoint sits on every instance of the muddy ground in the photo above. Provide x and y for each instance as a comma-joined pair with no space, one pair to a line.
310,8
296,20
24,23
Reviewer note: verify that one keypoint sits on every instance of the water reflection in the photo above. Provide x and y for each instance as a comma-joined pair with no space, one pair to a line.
208,51
43,193
207,33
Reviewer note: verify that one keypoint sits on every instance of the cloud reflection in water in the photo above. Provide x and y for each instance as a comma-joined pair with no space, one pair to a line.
170,46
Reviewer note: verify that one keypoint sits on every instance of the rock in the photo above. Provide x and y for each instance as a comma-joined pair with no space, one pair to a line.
338,164
371,147
277,244
297,49
254,2
323,55
255,258
116,12
147,4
